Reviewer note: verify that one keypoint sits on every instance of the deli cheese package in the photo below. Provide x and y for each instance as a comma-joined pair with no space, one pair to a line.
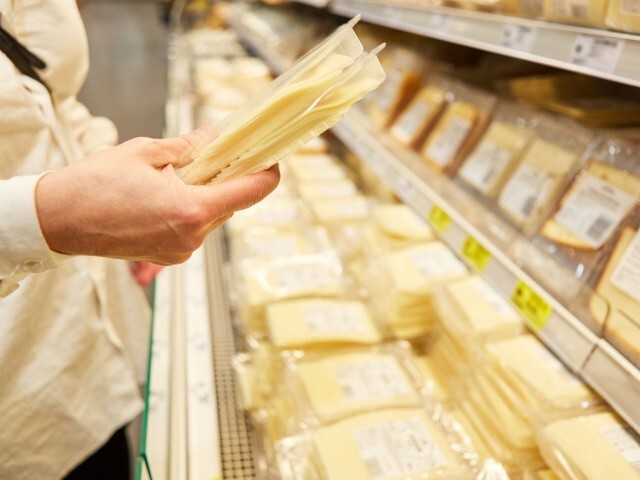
624,15
592,447
340,210
311,190
579,12
616,300
419,116
319,167
302,103
317,323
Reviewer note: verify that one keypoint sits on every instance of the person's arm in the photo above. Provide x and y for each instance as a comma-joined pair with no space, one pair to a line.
127,202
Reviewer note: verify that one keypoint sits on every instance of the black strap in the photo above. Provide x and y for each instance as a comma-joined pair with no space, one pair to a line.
22,58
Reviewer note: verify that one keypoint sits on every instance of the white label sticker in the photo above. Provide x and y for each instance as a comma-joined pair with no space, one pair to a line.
436,263
598,53
594,209
626,276
405,129
557,365
333,318
517,37
297,278
372,380
625,442
630,7
525,191
399,448
493,298
485,164
443,149
571,8
281,245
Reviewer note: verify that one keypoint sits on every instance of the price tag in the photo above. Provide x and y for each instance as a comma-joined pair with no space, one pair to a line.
517,37
476,253
439,21
531,305
439,219
598,53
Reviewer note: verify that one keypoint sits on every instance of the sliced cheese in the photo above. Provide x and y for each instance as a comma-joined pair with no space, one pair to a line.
419,116
313,323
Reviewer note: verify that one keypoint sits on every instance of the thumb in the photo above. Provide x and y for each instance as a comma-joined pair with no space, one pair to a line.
180,151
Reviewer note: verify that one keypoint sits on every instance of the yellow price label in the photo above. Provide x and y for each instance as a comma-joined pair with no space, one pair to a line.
531,305
440,220
476,253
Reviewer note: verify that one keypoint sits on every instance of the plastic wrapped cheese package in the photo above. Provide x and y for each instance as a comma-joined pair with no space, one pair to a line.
311,190
623,15
334,211
394,444
432,381
599,446
274,212
600,198
302,103
548,164
319,167
459,128
580,12
312,323
498,152
314,146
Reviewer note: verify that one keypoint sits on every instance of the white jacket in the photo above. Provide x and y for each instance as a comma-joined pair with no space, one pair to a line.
73,335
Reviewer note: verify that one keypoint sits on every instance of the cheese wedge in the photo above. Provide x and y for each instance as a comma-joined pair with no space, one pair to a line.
592,447
316,323
446,144
494,158
419,116
594,206
393,444
579,12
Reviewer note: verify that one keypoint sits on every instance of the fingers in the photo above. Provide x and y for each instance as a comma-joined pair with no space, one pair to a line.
180,151
237,194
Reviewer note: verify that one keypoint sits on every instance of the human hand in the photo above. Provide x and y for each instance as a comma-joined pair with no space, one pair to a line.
127,201
144,272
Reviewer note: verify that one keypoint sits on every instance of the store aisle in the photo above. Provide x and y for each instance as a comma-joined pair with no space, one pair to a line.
127,77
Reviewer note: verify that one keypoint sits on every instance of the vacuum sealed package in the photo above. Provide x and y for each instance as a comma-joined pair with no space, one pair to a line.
599,446
548,163
459,127
302,103
496,155
579,12
615,304
600,198
623,15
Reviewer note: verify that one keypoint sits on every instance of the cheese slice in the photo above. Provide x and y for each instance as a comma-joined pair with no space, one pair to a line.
342,385
400,221
392,444
447,144
315,145
584,221
314,323
593,447
579,12
419,116
347,209
624,15
530,193
494,158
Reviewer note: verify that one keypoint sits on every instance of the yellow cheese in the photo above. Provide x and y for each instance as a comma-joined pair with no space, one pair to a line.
447,144
400,221
331,211
312,190
419,116
593,447
394,94
493,159
393,444
624,15
580,12
311,323
342,385
586,221
431,377
529,194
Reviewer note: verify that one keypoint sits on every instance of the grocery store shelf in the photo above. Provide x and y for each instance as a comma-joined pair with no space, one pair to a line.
600,53
315,3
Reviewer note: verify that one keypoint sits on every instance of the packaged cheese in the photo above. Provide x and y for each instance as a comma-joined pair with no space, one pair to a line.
311,190
525,8
314,146
420,115
318,323
624,15
279,212
579,12
340,210
616,302
318,167
496,155
592,447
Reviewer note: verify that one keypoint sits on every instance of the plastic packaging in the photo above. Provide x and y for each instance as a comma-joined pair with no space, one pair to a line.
303,102
418,118
623,15
274,211
319,167
311,190
341,210
580,12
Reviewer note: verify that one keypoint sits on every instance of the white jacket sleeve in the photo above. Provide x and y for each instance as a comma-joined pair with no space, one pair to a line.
23,249
89,132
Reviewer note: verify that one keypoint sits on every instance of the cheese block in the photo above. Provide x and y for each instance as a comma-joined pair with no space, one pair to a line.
400,221
623,15
325,189
475,312
446,145
265,242
593,207
419,116
579,12
531,191
338,210
537,380
495,156
394,94
592,447
617,297
394,444
314,323
342,385
431,377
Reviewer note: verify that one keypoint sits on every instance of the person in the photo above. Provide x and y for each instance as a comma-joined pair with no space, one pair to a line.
72,336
